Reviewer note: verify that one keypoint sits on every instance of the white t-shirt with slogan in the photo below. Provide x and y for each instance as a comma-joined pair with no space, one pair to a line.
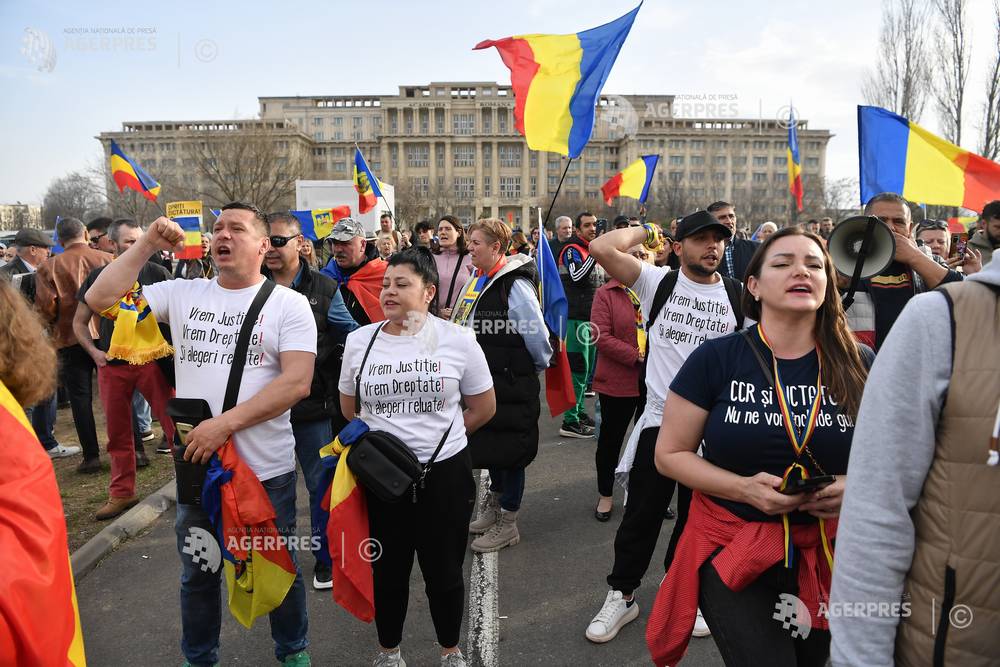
693,314
411,385
205,320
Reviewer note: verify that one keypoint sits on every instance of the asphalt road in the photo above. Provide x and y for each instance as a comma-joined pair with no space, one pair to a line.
546,591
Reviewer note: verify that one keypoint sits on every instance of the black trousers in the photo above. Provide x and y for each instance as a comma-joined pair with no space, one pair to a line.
649,495
743,626
77,369
683,507
616,415
436,529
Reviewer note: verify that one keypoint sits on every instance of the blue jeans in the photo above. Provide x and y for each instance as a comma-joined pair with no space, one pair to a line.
201,602
509,483
43,420
141,413
310,437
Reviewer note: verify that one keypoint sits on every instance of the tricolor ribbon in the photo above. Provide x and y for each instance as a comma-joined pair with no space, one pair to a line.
799,439
640,329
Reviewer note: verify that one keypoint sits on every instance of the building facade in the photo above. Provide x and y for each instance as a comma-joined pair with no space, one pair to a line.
453,148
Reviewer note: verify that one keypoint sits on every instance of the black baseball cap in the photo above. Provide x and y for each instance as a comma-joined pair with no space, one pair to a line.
620,222
696,222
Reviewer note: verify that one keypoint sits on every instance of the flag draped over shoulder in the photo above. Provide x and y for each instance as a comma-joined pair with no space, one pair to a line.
557,80
555,309
350,546
126,173
39,619
632,181
365,284
365,183
318,223
794,162
897,155
259,569
136,338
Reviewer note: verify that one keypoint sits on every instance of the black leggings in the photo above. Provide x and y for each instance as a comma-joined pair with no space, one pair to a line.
436,529
743,626
616,414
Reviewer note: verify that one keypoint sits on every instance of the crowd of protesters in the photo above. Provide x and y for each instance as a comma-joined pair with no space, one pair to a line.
727,374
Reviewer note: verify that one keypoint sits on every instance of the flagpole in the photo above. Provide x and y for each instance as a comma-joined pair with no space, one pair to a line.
556,195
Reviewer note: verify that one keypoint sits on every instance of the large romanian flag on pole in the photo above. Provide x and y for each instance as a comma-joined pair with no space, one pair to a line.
555,309
259,569
39,620
126,173
632,181
557,80
897,155
794,161
365,183
351,549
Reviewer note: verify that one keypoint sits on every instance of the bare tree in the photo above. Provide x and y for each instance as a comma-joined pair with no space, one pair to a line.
74,195
252,164
989,146
901,79
952,46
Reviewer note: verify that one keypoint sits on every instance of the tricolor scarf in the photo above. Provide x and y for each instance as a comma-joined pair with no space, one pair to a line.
351,550
136,338
365,284
476,286
640,328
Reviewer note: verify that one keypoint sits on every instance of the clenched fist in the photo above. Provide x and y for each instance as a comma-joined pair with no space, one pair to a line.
165,234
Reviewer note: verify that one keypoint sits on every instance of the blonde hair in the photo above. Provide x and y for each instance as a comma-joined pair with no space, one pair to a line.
495,229
27,358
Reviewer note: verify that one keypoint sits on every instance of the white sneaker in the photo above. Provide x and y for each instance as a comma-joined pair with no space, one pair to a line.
392,659
700,626
611,618
61,452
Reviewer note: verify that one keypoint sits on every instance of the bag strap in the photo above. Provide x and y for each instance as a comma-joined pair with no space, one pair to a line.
454,275
361,368
243,345
760,357
663,291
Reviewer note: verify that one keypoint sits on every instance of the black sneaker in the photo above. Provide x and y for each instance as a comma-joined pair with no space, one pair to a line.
148,436
89,466
587,420
669,515
322,577
576,430
164,447
141,460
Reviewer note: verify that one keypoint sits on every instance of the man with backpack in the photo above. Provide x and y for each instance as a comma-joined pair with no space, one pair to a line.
681,310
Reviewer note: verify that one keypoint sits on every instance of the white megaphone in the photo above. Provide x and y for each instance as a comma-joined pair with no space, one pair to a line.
848,239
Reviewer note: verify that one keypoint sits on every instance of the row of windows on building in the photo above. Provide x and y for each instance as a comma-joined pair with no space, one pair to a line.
740,144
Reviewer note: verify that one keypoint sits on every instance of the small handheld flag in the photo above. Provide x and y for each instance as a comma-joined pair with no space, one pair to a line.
557,80
794,162
632,181
897,155
318,223
127,173
555,309
187,214
365,183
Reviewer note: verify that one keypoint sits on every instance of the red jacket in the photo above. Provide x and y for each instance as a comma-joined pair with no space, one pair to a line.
749,548
613,319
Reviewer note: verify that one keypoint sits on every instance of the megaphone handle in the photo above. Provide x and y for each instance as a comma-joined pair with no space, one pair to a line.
859,263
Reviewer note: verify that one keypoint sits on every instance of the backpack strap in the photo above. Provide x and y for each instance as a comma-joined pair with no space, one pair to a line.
663,291
734,290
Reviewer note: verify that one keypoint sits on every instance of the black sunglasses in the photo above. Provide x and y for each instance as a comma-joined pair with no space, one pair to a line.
936,224
281,241
95,239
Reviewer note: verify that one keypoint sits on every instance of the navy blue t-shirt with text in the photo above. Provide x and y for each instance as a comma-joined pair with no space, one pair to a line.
745,432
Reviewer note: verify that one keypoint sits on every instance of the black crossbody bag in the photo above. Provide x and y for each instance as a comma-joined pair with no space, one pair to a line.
382,462
189,412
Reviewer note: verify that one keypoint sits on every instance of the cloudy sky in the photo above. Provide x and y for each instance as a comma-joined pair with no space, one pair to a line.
132,61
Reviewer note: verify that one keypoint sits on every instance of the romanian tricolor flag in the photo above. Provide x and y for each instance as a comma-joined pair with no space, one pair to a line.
555,309
187,214
899,156
365,183
39,619
557,80
259,568
127,173
318,223
351,549
632,181
794,162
